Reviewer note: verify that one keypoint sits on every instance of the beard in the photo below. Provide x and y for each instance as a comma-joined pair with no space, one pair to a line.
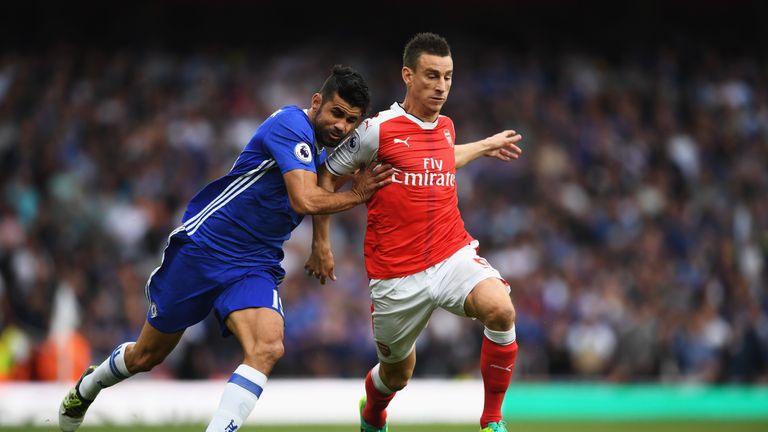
325,140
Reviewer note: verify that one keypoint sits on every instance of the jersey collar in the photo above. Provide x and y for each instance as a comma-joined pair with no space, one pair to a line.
424,125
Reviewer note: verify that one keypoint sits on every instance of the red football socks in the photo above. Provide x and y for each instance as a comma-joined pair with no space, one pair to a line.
496,365
375,411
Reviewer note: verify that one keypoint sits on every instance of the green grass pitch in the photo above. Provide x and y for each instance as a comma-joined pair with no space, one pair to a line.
563,426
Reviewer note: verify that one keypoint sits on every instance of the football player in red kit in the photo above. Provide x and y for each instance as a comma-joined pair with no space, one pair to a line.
418,255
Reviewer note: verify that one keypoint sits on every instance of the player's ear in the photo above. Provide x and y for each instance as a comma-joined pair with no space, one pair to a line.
317,100
407,75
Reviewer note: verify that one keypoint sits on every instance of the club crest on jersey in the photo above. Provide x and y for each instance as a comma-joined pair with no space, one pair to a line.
303,152
448,137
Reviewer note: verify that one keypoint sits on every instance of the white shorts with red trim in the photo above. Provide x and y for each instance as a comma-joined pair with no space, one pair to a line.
402,306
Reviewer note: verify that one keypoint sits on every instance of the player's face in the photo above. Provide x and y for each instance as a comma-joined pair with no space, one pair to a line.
429,84
334,119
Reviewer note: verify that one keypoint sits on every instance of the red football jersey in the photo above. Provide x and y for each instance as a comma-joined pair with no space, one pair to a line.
413,223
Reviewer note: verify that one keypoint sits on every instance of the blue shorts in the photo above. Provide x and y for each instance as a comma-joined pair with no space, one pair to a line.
190,282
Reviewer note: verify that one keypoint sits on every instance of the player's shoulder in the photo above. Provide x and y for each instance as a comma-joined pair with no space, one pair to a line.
382,117
290,114
289,120
445,122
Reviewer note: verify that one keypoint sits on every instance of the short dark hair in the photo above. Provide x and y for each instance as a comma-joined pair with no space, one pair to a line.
349,85
424,43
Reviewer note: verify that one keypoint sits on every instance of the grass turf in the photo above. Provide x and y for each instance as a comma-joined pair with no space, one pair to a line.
565,426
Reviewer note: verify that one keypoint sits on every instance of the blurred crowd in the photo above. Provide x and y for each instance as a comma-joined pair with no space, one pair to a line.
633,231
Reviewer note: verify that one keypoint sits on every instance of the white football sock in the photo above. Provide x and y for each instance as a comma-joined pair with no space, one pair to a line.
239,397
111,371
378,382
501,337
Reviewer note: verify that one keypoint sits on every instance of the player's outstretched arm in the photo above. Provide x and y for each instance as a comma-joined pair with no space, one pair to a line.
307,197
502,146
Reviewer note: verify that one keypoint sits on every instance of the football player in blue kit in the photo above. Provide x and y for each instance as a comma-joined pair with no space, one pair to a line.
226,254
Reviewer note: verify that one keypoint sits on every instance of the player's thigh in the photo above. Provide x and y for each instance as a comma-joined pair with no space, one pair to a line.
260,333
253,297
256,326
463,278
401,310
182,290
490,302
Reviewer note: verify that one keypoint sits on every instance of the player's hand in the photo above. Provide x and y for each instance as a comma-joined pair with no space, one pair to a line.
320,264
370,179
503,145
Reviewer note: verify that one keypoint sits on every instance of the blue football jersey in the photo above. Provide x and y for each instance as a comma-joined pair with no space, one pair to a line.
245,216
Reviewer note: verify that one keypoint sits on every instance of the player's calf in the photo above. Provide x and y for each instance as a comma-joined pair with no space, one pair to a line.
497,363
373,407
139,359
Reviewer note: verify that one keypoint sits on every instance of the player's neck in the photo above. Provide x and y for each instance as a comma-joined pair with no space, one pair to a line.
311,114
419,111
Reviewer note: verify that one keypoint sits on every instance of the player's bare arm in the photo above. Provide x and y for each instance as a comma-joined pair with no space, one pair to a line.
320,263
501,146
307,197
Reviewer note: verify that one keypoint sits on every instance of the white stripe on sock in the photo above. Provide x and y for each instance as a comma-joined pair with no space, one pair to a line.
378,383
501,337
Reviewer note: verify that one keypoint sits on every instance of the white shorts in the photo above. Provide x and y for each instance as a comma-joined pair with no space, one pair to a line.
402,306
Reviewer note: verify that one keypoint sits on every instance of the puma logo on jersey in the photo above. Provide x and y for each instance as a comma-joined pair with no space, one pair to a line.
405,141
508,368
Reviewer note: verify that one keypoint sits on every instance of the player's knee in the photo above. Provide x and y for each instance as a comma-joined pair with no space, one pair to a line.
400,382
397,380
500,317
266,352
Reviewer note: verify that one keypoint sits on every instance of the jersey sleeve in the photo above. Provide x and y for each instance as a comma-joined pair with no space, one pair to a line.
320,158
290,142
358,149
